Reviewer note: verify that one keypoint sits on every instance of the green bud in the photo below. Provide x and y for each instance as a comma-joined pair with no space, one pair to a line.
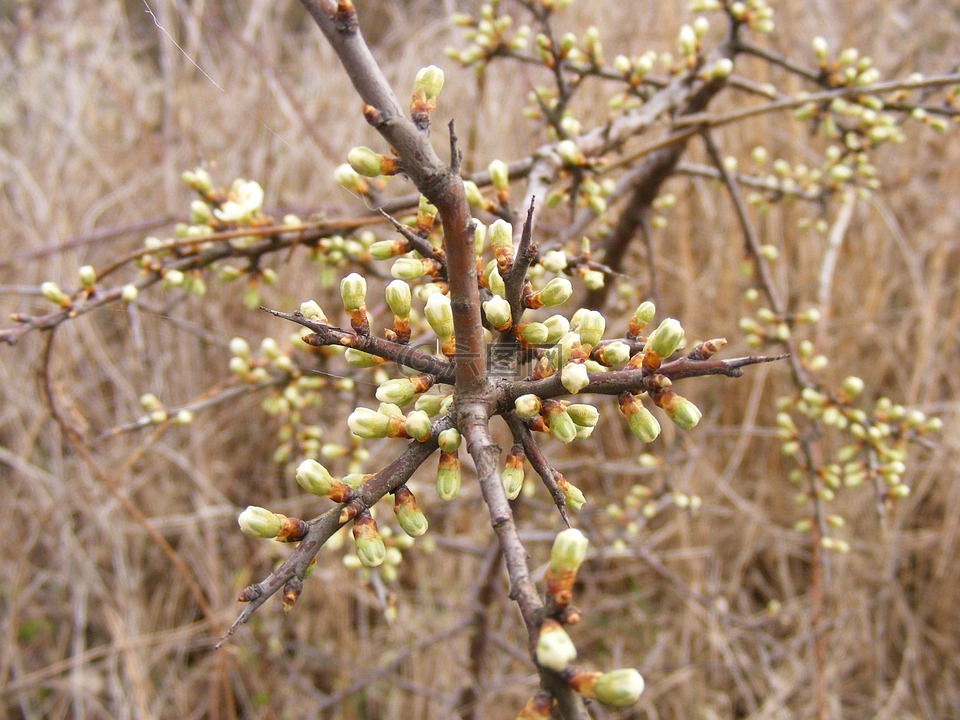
614,353
583,415
556,292
498,313
591,328
418,425
557,327
474,196
527,406
368,424
852,386
397,294
259,522
365,161
198,180
561,424
532,333
399,391
428,83
500,237
52,292
359,359
555,649
683,412
314,478
448,476
554,261
409,516
499,175
569,550
573,495
619,688
129,293
311,310
449,440
512,481
574,377
440,315
665,340
408,268
345,176
353,291
87,275
642,422
370,548
430,404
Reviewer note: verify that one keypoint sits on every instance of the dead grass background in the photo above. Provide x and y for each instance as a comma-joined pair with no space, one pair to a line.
99,113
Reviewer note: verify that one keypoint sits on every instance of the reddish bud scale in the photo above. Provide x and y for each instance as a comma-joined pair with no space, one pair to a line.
635,327
560,585
424,225
571,615
515,457
401,330
635,362
291,592
706,350
349,512
650,361
533,300
395,428
291,529
538,707
449,461
359,321
365,526
538,424
340,492
583,681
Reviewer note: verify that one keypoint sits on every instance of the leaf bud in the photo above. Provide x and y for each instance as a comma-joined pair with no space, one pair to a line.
574,377
498,313
555,649
370,547
527,406
409,515
440,315
619,688
569,550
259,522
665,340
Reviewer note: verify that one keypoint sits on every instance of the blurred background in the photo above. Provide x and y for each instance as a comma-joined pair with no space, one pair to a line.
100,112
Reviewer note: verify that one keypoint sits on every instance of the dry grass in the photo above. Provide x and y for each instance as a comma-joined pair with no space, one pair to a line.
99,113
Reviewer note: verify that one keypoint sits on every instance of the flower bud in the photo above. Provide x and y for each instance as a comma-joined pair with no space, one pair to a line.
619,688
554,261
87,275
665,340
532,333
353,291
398,298
592,325
399,391
683,412
642,422
346,177
574,377
198,180
370,547
613,353
427,85
583,415
448,476
852,386
499,175
569,550
418,425
554,293
52,292
311,310
129,293
314,478
559,421
259,522
368,424
500,236
557,327
498,313
365,161
409,516
687,41
449,440
527,406
474,196
512,475
440,315
555,649
359,359
572,494
408,268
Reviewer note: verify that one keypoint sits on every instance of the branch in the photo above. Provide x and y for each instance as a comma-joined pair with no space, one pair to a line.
323,527
394,352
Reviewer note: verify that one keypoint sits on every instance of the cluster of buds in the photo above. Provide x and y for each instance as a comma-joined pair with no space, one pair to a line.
489,35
